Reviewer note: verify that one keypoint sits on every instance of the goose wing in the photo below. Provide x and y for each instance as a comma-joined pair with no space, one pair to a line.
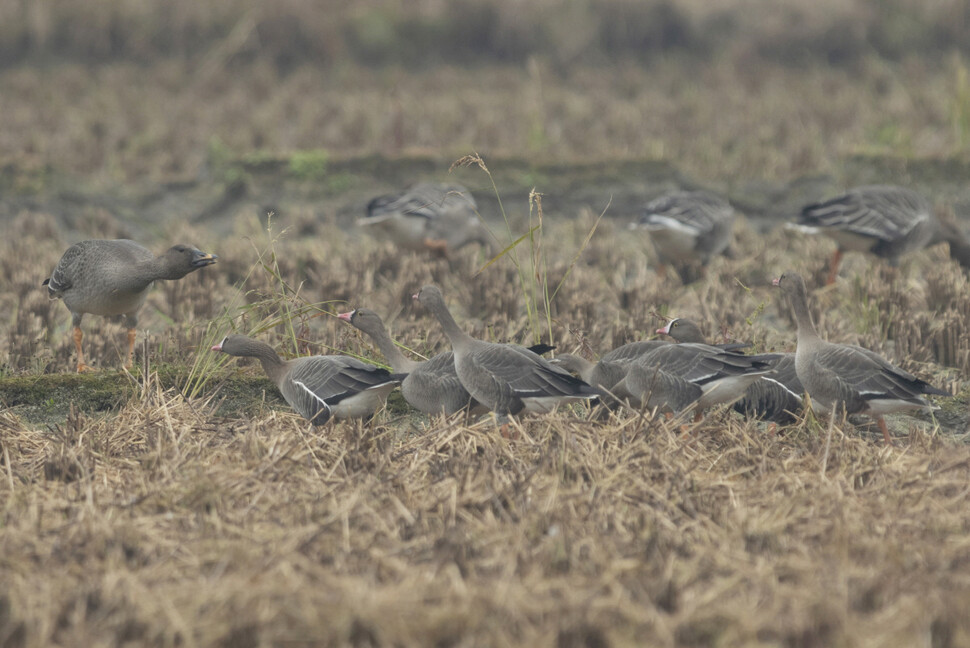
870,376
885,213
527,374
315,384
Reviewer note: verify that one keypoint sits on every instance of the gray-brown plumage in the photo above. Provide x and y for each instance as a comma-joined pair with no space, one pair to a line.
319,388
506,378
687,228
611,367
431,386
775,397
439,217
884,220
845,376
680,375
112,277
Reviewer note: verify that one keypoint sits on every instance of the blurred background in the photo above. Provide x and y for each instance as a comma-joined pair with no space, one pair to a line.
119,91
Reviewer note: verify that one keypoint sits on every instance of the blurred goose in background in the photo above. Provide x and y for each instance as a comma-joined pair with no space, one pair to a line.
506,378
687,228
442,218
774,397
885,220
319,388
848,377
112,277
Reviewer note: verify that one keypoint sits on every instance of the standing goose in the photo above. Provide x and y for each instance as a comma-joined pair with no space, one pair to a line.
506,378
319,388
774,397
431,386
886,220
688,227
846,376
112,277
442,218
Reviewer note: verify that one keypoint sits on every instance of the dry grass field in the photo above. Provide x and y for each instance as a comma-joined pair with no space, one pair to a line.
184,504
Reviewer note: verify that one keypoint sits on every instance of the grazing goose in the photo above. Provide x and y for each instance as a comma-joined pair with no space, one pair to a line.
688,227
886,220
319,388
442,218
685,330
611,368
112,277
849,377
774,397
431,386
680,375
506,378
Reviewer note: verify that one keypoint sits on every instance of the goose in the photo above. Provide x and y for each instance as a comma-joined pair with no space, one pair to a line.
431,386
685,330
681,375
112,277
687,227
885,220
774,397
611,368
506,378
318,387
847,377
442,218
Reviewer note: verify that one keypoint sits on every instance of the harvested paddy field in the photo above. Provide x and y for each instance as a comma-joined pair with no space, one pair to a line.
183,503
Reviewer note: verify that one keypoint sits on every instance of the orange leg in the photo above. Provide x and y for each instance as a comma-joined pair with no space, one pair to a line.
78,336
131,348
437,246
834,267
698,416
885,430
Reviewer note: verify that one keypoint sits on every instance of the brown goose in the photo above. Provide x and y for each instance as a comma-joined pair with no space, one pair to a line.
431,386
112,277
774,397
688,227
438,217
319,388
846,376
506,378
886,220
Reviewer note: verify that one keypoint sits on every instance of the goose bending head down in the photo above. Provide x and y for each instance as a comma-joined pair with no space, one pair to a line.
441,218
431,386
112,277
319,388
845,376
688,227
506,378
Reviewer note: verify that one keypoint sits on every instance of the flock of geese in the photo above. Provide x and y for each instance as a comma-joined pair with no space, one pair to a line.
111,277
